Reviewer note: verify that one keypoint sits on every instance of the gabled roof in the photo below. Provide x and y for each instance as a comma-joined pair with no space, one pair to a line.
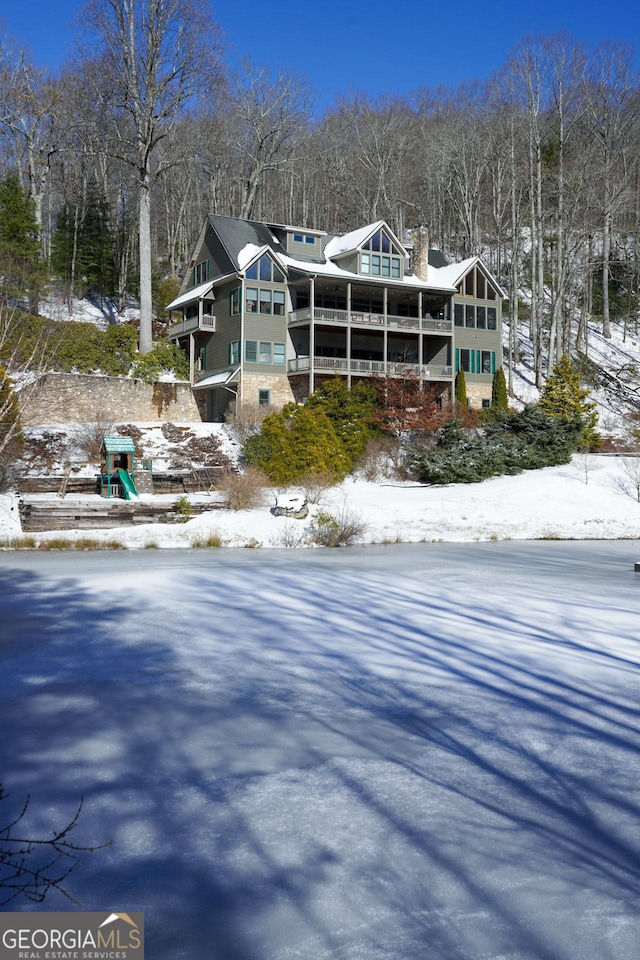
454,273
194,294
348,242
250,253
236,235
118,445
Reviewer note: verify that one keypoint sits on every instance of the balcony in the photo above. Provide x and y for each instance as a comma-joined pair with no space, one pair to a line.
369,368
377,320
193,324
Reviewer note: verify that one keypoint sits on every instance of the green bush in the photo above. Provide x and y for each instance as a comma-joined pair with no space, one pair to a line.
349,410
295,442
166,357
564,397
528,440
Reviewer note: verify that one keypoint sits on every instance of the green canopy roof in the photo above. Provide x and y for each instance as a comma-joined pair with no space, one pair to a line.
119,445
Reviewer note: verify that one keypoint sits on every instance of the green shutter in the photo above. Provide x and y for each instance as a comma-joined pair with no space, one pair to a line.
493,361
457,359
478,362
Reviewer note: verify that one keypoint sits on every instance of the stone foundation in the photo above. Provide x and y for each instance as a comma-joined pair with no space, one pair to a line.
85,398
476,393
279,387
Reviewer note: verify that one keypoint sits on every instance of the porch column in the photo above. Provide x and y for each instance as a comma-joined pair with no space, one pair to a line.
349,334
192,359
312,333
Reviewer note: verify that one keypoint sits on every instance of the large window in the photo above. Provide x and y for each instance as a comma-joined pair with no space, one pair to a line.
201,272
476,361
381,257
267,352
492,318
266,270
263,300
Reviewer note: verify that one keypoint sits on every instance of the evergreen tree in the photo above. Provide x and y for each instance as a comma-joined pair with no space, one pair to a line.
21,269
83,248
297,441
349,410
499,397
563,396
461,389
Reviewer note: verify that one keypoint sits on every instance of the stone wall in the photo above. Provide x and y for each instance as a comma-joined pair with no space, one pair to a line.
86,398
279,387
477,392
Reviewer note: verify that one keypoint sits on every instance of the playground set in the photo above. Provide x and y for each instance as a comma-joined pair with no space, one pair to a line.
118,474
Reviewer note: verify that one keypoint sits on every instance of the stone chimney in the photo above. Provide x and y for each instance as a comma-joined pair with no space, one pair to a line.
420,254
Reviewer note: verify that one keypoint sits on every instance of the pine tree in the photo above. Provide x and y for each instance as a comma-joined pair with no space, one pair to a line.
461,389
563,396
499,397
21,269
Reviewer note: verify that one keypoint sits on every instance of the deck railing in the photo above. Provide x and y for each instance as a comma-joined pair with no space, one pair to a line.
369,368
358,318
192,324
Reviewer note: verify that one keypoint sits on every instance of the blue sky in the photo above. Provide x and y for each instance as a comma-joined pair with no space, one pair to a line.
375,47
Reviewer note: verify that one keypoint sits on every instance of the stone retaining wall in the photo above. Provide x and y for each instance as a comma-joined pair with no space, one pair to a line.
88,398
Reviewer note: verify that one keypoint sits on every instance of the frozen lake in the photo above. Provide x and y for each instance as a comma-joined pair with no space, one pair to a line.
413,752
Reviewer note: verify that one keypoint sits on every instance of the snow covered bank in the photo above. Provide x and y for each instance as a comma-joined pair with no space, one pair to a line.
593,497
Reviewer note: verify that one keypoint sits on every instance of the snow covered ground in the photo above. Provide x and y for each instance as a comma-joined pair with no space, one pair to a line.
593,497
384,753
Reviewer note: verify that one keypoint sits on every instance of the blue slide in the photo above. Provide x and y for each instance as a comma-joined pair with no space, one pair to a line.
129,487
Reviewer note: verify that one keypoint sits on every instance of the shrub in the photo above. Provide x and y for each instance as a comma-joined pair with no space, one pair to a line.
349,409
563,397
247,420
182,510
343,530
243,491
461,389
512,443
296,441
11,437
165,358
313,485
207,540
499,397
88,439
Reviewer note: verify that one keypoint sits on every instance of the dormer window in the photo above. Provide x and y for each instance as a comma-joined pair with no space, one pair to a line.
380,257
265,270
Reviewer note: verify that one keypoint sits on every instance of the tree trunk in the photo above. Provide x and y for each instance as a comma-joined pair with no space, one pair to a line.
146,308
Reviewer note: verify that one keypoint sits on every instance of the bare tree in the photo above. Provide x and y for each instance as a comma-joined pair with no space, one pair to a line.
156,56
29,116
32,866
613,110
271,115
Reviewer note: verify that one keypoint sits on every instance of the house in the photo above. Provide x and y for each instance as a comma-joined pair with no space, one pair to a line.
266,312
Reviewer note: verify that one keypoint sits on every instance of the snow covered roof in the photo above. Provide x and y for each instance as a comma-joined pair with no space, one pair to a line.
216,379
455,272
194,294
332,270
351,241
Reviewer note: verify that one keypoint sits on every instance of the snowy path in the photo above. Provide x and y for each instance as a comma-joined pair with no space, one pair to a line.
418,751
